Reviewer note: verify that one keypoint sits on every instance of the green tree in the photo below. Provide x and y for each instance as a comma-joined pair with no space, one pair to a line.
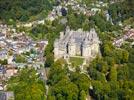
4,62
23,10
125,56
27,85
81,80
20,59
122,72
82,95
113,74
85,25
57,73
65,90
97,89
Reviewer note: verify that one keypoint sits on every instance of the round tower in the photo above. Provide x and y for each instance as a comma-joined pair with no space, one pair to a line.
95,43
72,47
86,48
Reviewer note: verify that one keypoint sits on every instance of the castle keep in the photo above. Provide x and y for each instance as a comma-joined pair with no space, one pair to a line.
76,43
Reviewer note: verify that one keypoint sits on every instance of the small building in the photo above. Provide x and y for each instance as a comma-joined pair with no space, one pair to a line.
2,72
2,36
6,95
95,10
3,54
10,72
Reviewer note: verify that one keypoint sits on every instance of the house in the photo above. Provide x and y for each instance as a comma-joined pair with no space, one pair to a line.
2,36
41,22
10,95
20,43
28,25
95,10
2,71
128,35
10,72
6,95
3,54
10,59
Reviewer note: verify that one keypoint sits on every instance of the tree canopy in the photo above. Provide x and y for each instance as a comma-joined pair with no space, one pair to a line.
27,85
22,10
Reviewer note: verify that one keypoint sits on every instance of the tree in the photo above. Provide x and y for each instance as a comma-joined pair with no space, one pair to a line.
102,66
57,73
85,25
72,21
23,10
120,11
113,74
97,89
75,20
82,95
81,80
27,85
114,89
125,56
20,59
4,62
131,71
122,72
93,73
101,77
107,48
110,60
65,90
49,60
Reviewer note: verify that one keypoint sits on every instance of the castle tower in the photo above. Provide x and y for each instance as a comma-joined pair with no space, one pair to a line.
77,43
72,47
67,29
95,42
59,49
94,49
86,48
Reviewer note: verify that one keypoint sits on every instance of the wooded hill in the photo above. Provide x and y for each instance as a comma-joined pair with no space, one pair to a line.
22,10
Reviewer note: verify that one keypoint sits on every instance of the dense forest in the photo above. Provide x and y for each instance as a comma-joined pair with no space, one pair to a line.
22,10
122,10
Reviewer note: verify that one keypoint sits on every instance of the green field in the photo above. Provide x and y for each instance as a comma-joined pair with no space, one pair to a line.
76,61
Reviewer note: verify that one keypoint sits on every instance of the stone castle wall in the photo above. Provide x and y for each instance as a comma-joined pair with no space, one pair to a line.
76,43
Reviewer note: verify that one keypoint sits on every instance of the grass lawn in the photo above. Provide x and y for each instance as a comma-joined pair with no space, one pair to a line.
76,61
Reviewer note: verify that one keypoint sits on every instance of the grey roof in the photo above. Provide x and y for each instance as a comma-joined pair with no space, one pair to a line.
2,96
3,52
80,36
1,34
2,69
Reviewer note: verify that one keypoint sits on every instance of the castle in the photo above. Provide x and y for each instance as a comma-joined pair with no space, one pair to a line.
76,43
